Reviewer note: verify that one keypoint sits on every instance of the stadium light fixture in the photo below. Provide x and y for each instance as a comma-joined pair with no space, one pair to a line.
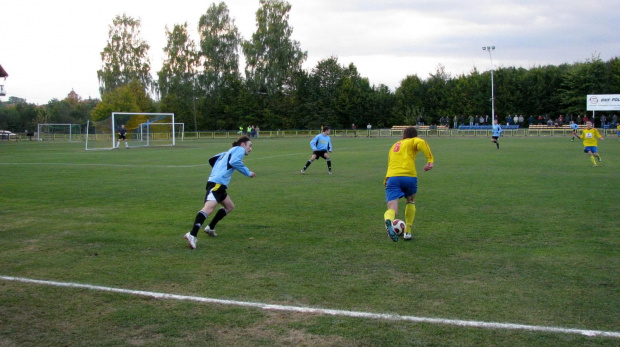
489,49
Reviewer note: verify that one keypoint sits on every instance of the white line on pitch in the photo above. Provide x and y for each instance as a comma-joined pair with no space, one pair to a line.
108,165
355,314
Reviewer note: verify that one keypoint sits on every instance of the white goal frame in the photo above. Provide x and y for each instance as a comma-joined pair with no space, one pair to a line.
69,125
109,127
145,133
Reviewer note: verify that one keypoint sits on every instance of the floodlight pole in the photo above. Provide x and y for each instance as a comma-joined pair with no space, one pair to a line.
489,49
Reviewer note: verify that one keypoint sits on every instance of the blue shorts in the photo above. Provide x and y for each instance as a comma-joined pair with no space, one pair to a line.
401,186
592,149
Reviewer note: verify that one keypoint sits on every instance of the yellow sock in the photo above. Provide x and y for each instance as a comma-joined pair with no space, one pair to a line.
409,216
389,214
593,160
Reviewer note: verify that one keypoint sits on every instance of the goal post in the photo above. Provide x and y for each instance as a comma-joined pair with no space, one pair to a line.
153,131
143,130
58,131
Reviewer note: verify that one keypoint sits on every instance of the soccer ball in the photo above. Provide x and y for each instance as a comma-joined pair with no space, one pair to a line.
399,226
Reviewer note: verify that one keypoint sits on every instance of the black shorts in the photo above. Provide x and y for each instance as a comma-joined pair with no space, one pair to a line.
495,137
216,191
122,137
320,154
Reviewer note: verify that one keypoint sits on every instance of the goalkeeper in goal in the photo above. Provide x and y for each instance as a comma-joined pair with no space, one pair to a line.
122,136
224,164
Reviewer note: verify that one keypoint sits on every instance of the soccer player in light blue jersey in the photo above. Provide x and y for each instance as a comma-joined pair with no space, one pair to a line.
224,164
321,147
497,132
574,127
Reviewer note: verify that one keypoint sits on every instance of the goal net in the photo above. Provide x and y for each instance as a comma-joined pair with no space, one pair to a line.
143,130
59,132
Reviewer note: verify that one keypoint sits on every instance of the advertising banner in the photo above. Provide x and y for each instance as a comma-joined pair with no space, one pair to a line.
603,102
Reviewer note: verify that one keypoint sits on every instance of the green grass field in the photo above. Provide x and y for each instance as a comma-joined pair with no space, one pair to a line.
525,235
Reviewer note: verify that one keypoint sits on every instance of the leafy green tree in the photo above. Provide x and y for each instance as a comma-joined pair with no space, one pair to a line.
354,99
131,97
177,78
180,62
613,73
125,57
579,81
408,101
219,43
272,57
381,104
434,95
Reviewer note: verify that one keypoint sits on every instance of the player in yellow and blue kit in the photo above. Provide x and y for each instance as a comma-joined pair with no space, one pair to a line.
321,147
589,135
401,179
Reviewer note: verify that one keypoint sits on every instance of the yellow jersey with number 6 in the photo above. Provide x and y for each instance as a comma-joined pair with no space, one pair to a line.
401,159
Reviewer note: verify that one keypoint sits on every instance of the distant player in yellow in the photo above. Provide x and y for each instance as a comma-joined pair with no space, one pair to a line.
589,135
618,128
401,179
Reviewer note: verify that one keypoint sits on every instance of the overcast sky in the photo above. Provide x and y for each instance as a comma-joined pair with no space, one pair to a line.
49,48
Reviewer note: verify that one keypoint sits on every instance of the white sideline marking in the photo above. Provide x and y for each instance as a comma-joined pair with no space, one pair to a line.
355,314
107,165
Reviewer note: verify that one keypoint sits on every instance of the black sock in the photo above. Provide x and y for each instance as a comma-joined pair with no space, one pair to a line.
497,144
307,164
221,213
200,218
329,165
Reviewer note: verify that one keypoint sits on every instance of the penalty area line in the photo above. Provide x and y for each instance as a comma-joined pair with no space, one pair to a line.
332,312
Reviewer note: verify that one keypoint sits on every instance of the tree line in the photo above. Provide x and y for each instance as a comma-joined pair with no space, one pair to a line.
202,84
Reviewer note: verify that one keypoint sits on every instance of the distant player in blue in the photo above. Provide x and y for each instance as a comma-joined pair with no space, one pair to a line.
224,164
497,132
574,127
321,147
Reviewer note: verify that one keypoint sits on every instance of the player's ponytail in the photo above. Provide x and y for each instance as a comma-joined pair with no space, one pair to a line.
240,140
